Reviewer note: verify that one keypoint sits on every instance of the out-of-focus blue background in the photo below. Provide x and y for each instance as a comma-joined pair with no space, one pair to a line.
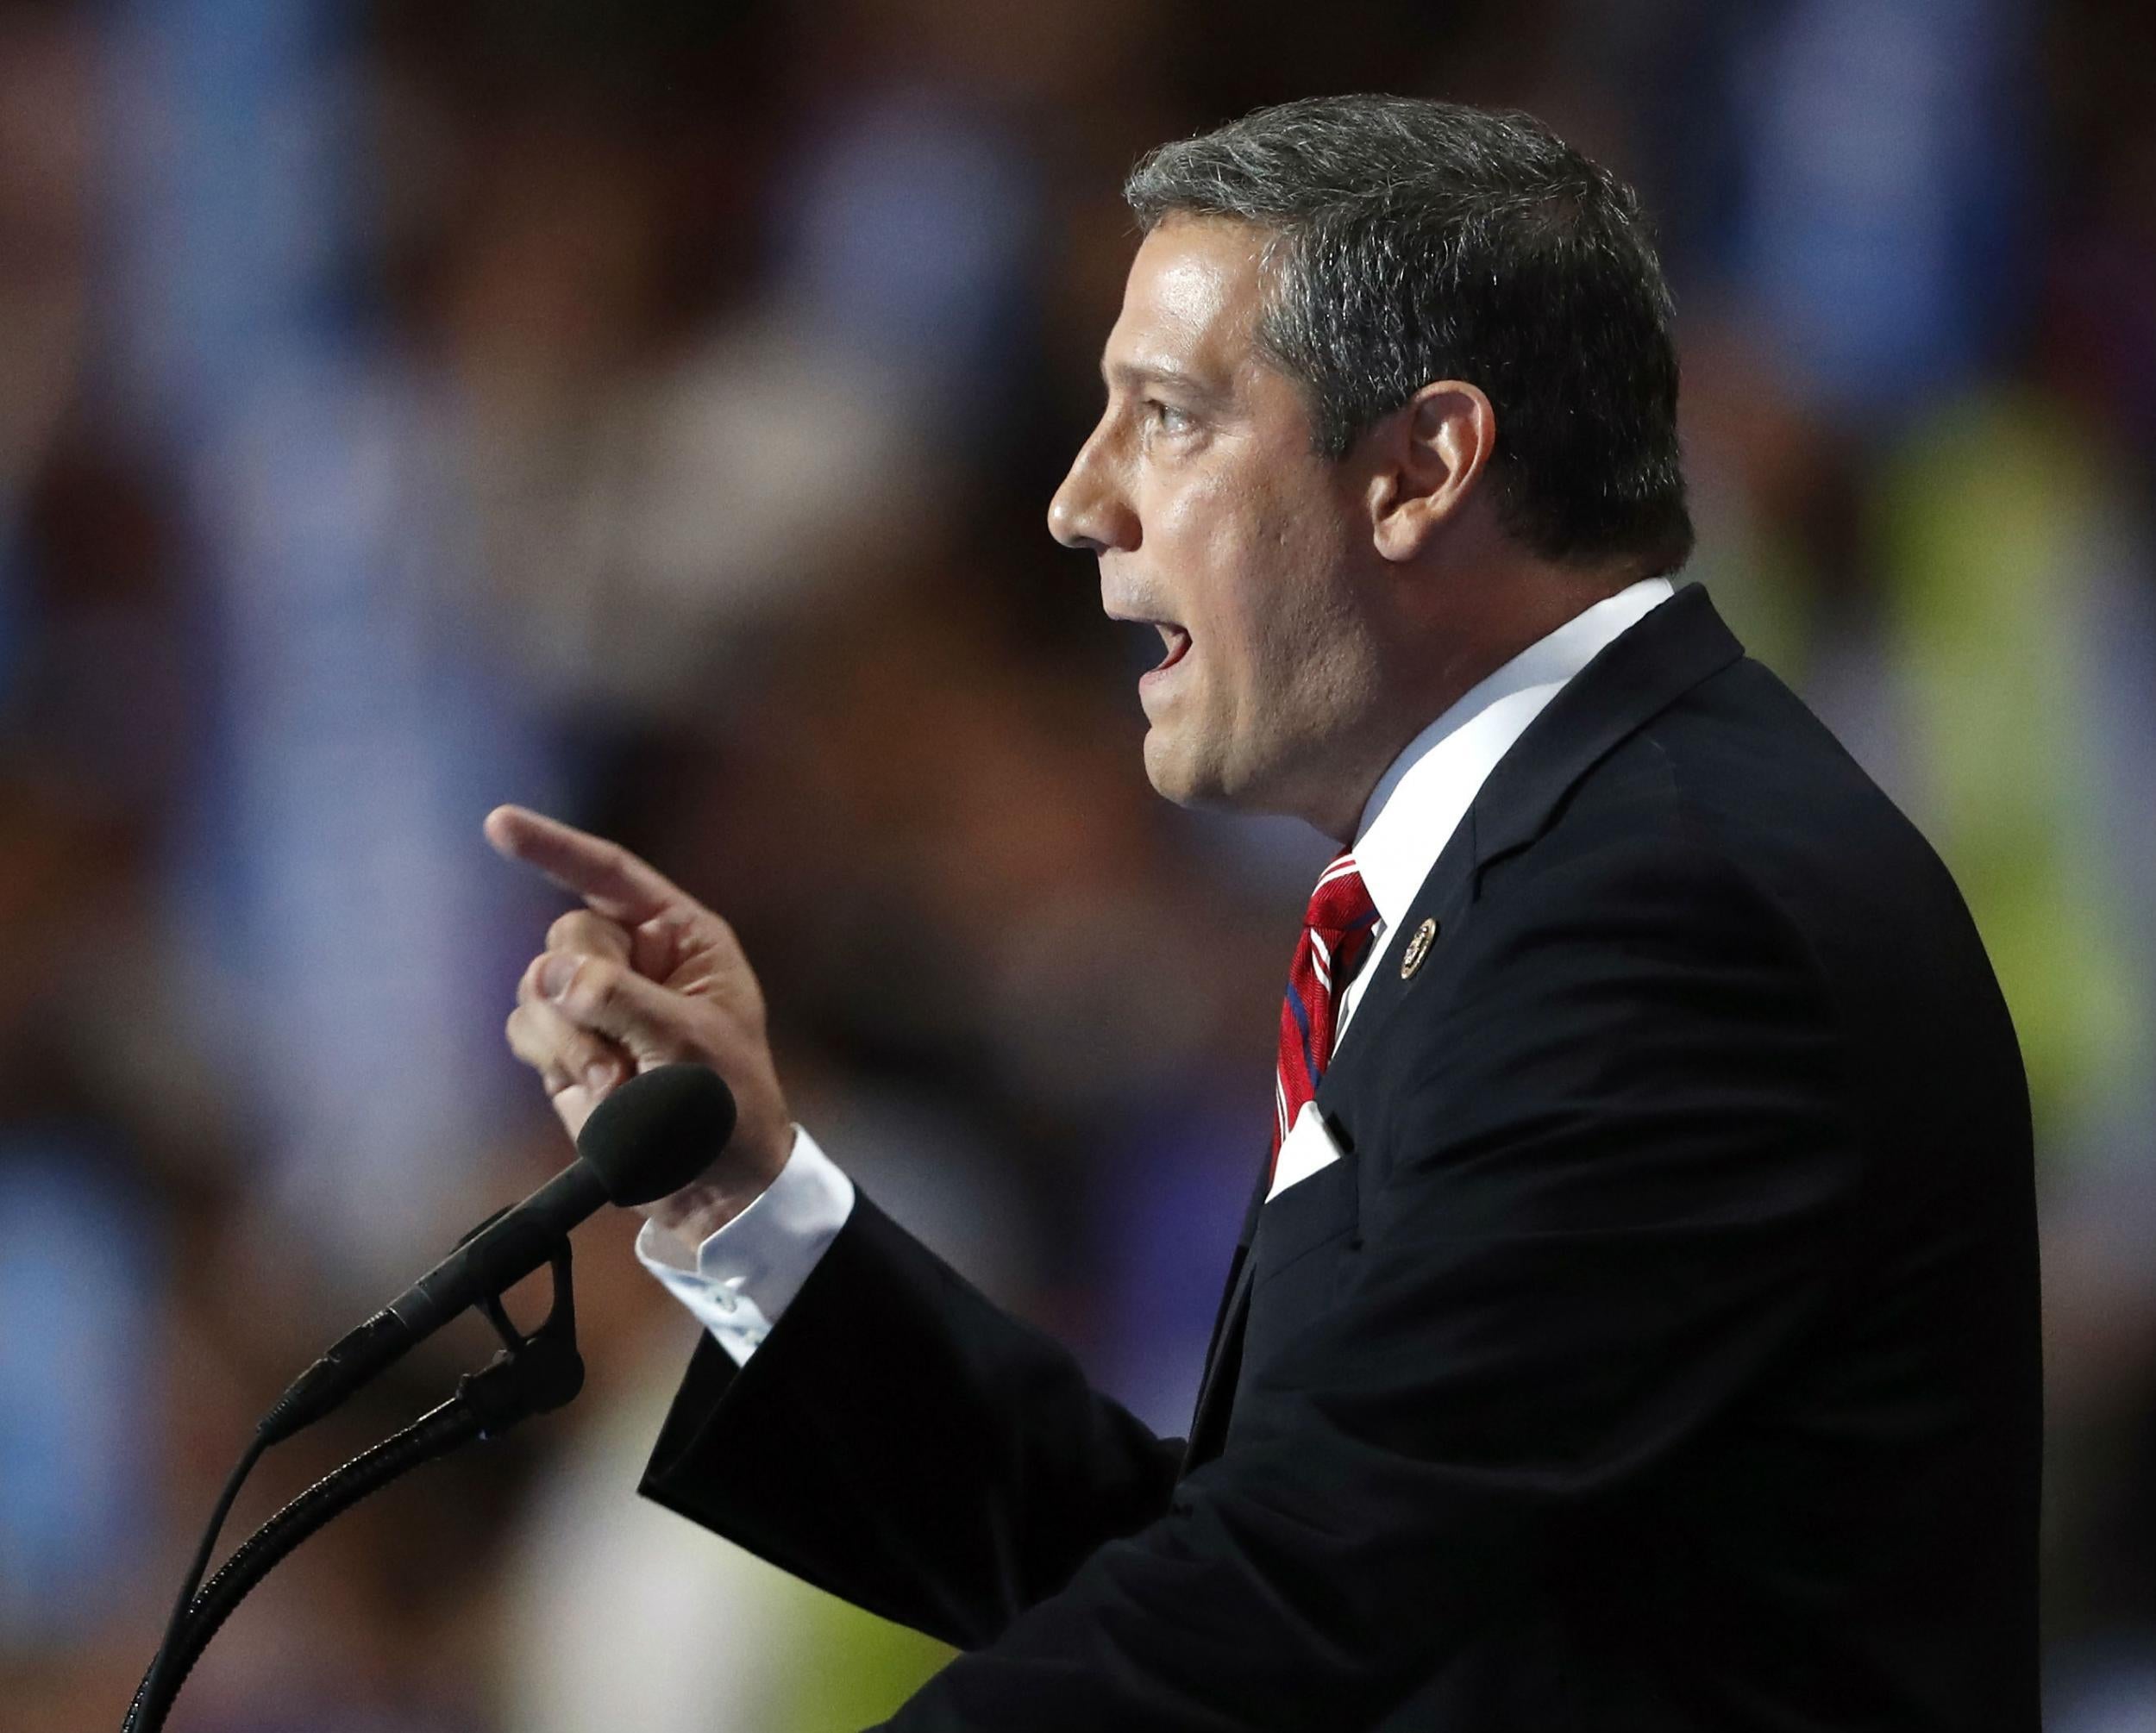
647,413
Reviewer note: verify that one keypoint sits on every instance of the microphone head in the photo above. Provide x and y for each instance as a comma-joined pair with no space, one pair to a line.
657,1132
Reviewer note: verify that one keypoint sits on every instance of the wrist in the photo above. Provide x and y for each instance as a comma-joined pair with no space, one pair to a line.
701,1208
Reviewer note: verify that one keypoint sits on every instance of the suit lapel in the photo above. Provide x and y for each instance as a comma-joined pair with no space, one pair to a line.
1637,676
1444,896
1633,679
1219,1376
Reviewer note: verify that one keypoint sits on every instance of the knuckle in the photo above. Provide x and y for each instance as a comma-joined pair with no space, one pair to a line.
525,1041
594,986
581,930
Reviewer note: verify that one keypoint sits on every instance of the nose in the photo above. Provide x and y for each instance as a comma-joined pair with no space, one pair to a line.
1091,509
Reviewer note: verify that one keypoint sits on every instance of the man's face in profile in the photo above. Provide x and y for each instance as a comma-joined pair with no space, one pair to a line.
1216,523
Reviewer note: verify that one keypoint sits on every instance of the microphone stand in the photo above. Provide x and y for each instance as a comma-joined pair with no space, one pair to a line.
532,1374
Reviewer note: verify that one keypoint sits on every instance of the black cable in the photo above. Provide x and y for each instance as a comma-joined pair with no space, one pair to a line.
533,1374
435,1433
160,1662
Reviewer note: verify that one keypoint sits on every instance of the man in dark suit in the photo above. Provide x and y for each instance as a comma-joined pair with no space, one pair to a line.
1634,1324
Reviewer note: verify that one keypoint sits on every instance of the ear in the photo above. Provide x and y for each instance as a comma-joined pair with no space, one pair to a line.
1427,459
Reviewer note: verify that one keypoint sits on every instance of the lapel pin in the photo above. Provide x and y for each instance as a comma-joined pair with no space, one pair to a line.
1418,948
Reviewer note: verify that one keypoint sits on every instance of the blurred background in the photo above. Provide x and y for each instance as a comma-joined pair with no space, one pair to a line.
649,413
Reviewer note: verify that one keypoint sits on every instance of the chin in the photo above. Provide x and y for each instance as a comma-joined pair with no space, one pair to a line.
1243,790
1171,773
1189,780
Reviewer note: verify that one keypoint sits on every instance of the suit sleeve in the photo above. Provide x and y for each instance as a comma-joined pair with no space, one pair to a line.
903,1443
1623,1186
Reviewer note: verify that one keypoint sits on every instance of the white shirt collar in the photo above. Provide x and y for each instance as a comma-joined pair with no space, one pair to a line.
1422,796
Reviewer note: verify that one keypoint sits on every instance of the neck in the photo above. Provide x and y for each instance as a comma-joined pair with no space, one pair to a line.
1483,624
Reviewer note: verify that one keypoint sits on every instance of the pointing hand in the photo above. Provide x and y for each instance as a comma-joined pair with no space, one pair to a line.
642,976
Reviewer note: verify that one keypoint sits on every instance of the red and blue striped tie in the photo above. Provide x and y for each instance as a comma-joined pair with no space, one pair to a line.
1336,933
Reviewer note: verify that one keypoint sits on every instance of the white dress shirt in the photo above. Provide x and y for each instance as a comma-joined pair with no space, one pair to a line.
739,1279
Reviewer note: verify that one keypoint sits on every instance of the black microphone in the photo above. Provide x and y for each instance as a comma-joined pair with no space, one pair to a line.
653,1136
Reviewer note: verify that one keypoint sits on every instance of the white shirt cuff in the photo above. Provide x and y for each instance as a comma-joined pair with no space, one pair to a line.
741,1279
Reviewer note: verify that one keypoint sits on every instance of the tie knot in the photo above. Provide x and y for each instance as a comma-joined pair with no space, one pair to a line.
1340,906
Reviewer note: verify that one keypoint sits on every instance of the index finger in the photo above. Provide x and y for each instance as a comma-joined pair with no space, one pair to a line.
612,880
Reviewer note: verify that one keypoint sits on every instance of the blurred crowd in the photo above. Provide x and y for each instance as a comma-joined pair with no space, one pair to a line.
647,414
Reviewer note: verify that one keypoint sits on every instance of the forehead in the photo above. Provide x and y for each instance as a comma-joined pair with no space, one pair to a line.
1191,301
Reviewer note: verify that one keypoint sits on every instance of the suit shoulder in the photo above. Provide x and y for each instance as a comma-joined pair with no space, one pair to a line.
1740,786
1740,770
1735,816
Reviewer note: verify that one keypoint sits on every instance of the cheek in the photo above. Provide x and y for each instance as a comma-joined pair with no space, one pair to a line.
1274,557
1201,543
1244,549
1190,517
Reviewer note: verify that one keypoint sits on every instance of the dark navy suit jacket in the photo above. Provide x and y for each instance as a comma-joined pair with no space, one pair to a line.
1662,1354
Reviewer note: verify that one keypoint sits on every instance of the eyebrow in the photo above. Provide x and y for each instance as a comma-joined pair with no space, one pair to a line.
1131,375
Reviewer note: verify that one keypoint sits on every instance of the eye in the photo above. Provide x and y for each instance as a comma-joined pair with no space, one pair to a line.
1167,417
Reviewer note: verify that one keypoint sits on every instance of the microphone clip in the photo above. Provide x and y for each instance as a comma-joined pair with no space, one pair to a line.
535,1372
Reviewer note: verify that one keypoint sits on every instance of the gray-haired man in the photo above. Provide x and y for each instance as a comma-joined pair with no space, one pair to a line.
1635,1320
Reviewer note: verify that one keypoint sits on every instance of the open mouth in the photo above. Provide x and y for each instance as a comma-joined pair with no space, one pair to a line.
1175,641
